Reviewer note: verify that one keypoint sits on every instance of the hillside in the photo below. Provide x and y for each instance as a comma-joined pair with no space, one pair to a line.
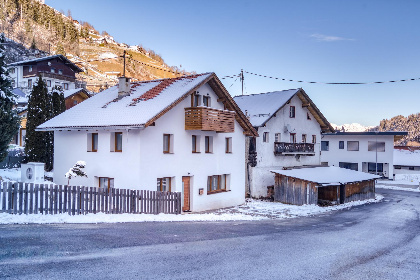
411,124
36,29
353,127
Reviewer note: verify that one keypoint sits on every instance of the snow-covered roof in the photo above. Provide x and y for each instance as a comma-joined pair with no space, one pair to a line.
327,175
406,157
261,107
147,101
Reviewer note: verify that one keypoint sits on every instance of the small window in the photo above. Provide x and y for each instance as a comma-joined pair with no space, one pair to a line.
292,112
164,184
168,140
266,137
376,146
48,83
60,71
106,182
208,143
74,102
341,145
118,141
66,86
349,165
52,70
217,183
308,117
292,137
30,69
228,144
277,137
303,138
195,139
379,167
352,145
324,163
195,99
313,139
325,145
206,101
92,142
29,83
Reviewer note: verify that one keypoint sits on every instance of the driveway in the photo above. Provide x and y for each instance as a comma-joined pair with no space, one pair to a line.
373,241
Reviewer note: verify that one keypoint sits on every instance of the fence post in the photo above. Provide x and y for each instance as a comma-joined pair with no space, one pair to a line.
3,206
55,199
51,206
15,196
25,202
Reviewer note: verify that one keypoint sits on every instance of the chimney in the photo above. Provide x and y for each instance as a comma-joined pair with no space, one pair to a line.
124,87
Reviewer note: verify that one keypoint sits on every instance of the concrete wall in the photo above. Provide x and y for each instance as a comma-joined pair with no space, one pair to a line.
335,155
142,160
266,160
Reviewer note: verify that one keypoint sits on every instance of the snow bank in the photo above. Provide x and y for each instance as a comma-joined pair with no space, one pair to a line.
390,187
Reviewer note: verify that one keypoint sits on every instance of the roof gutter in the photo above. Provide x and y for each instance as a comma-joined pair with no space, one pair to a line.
87,128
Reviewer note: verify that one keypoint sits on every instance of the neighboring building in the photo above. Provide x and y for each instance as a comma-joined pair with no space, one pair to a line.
406,160
370,152
182,134
289,125
56,70
322,185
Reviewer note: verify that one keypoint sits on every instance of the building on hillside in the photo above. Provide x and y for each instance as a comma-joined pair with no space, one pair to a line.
181,134
289,125
370,152
406,160
322,185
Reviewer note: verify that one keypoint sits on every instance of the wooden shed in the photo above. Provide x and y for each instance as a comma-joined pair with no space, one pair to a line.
316,185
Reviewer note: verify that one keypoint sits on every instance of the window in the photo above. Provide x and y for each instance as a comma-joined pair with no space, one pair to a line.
60,71
206,101
168,143
164,184
371,167
30,69
66,86
303,138
195,99
376,146
352,145
266,137
308,117
106,182
195,139
29,83
92,145
118,141
292,137
349,165
208,143
228,144
341,145
324,163
277,137
292,112
313,139
217,183
52,70
74,102
325,145
48,83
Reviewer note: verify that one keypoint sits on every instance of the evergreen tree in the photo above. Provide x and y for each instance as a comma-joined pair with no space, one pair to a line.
9,120
35,147
58,106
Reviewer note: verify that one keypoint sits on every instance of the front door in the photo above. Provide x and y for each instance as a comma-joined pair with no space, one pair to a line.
186,189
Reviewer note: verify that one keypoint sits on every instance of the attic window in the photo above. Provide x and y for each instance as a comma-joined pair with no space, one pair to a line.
206,101
30,69
60,71
52,70
195,99
292,112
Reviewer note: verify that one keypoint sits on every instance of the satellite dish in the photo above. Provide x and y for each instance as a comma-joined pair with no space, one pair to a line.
287,128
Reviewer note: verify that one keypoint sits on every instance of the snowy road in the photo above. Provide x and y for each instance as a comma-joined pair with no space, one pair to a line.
373,241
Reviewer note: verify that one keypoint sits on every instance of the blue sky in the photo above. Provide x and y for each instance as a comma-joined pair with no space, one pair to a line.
323,41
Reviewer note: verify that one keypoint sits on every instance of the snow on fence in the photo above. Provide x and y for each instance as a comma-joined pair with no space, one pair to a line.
25,198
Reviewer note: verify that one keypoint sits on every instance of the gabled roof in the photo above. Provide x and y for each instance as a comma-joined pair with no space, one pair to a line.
148,101
70,92
262,107
327,175
64,59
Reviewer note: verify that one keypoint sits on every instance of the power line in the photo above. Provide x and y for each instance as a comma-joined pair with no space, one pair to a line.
331,83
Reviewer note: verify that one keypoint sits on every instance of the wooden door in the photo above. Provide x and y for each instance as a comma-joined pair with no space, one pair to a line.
186,189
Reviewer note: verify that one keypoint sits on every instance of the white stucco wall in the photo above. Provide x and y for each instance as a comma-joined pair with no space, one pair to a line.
335,155
266,160
142,160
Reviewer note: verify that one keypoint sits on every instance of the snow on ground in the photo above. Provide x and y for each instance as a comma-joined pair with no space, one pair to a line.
390,187
402,179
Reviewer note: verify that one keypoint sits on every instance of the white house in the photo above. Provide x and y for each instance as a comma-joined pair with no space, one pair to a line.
406,160
371,152
181,134
289,125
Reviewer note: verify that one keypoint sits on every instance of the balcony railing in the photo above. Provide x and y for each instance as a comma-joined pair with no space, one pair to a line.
282,148
208,119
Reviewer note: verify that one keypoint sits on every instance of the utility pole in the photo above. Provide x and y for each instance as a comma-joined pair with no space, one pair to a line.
124,64
242,80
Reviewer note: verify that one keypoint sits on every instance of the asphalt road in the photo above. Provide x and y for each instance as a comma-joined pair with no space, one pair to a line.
375,241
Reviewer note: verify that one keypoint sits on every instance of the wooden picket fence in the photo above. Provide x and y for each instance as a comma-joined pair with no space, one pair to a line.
29,198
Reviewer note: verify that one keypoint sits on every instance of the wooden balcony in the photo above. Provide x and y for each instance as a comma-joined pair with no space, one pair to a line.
208,119
284,149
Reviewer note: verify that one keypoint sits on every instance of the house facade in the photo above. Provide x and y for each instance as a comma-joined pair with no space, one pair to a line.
289,127
406,160
370,152
181,135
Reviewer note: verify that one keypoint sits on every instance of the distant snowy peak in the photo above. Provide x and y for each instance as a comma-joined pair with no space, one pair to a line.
353,127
